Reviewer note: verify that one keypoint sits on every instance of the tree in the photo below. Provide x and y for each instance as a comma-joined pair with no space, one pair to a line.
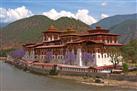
18,53
70,57
86,57
3,53
125,67
49,56
115,56
129,51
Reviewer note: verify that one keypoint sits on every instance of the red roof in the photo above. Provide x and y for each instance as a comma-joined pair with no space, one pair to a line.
98,29
53,32
71,66
81,41
93,34
74,34
43,64
106,67
52,29
52,41
25,45
35,45
51,46
114,44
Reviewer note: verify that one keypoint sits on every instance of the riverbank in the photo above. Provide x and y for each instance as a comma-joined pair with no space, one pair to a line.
78,74
106,82
25,81
3,58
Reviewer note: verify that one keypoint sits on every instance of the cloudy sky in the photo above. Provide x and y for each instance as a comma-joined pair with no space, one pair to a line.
88,11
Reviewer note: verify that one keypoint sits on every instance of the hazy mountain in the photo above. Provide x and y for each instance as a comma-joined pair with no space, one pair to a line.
127,29
3,24
126,25
114,20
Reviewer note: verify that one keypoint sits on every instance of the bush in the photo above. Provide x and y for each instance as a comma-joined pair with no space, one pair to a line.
135,65
125,67
3,53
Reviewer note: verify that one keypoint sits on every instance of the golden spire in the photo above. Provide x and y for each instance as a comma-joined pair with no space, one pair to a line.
98,26
70,29
51,28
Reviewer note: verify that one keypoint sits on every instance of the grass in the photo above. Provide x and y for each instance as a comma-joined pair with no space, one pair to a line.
132,64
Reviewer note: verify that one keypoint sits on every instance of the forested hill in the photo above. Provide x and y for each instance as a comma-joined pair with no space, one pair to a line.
30,29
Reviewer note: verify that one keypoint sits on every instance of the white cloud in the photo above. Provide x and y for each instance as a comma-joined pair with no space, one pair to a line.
53,14
82,15
104,16
104,3
85,17
9,15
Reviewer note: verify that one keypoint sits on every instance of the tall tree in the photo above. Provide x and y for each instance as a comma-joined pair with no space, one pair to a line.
49,56
87,57
129,51
18,54
70,57
115,56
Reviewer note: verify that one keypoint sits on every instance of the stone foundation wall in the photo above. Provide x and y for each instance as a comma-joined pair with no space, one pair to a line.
73,72
101,75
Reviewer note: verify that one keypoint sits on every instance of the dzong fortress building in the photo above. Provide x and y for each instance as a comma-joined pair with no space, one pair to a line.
90,48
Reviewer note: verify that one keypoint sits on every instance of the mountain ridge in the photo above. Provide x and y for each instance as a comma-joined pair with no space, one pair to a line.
30,29
114,20
127,29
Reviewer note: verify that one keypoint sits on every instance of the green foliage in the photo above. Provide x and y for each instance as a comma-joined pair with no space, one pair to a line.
129,51
125,67
54,71
114,54
3,53
136,65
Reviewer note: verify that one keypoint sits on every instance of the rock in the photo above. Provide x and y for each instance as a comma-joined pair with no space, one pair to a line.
97,80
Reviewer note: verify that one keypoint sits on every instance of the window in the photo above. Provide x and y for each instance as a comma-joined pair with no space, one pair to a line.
110,41
105,56
58,57
93,56
53,57
98,56
107,41
61,57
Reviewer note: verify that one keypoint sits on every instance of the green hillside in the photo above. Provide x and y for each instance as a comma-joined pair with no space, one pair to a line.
29,29
127,29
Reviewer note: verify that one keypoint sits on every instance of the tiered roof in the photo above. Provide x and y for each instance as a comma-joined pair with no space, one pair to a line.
72,32
33,45
98,29
50,46
52,29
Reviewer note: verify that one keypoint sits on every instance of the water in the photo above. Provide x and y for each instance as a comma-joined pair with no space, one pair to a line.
13,79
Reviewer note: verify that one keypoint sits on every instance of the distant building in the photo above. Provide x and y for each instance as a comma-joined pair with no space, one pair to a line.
70,47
